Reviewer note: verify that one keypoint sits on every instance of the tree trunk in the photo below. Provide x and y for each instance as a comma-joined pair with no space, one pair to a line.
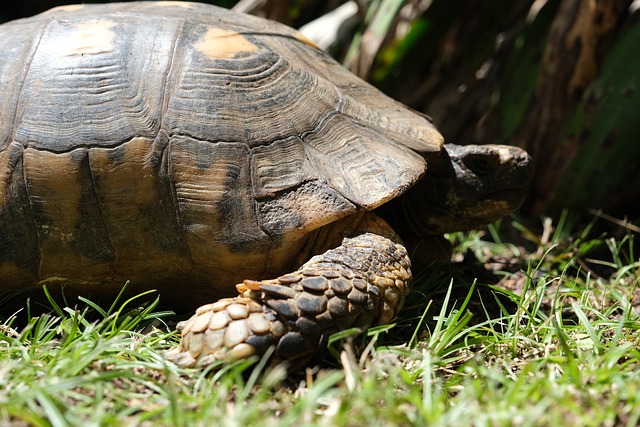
579,40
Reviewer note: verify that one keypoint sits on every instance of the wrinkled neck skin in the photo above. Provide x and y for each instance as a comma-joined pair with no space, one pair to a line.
465,188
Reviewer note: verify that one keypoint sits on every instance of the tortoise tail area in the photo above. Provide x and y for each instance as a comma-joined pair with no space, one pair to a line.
358,284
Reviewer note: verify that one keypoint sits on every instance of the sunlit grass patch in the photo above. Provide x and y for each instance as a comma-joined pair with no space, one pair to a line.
540,331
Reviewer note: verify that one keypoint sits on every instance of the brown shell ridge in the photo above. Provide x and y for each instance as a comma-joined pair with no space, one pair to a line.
95,189
162,141
23,78
397,124
23,254
92,84
32,216
365,166
335,149
263,67
340,159
358,97
236,93
171,69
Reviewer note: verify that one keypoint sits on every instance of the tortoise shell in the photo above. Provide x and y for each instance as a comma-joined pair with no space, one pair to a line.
174,143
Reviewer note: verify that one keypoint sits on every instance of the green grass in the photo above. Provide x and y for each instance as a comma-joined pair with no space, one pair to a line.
544,331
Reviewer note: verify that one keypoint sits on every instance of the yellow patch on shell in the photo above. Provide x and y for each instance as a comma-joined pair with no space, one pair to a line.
90,38
169,3
304,39
222,44
67,8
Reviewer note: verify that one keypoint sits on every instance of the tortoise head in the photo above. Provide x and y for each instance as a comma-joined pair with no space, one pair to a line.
465,187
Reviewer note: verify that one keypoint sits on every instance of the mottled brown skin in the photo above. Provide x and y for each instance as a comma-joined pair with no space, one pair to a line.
186,148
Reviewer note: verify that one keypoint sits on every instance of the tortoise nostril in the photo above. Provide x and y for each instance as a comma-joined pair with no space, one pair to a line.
481,165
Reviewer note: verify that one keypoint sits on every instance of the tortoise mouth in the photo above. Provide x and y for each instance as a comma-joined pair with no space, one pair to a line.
512,194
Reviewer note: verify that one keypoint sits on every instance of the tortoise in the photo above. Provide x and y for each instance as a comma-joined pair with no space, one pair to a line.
188,148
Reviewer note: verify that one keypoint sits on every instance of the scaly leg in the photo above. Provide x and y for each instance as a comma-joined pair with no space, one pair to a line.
361,283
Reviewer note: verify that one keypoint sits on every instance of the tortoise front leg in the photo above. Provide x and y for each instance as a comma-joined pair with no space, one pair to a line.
360,283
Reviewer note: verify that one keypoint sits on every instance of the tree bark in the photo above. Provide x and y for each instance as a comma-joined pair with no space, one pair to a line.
580,37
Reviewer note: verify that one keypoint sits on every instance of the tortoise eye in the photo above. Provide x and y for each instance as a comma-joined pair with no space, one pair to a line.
482,165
